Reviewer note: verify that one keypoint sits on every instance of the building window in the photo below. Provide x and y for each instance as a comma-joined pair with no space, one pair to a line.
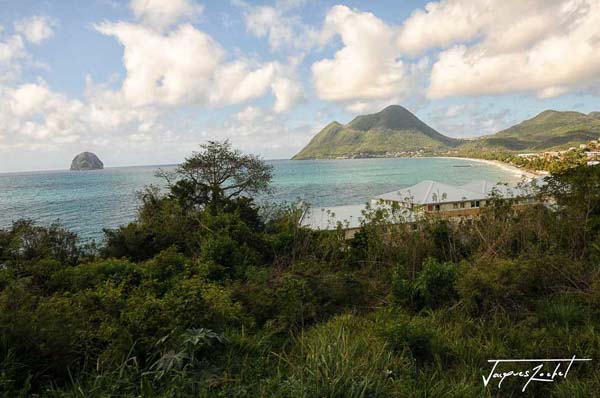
437,207
462,205
475,203
455,205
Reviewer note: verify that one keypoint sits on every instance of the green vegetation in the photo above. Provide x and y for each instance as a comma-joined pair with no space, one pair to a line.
396,130
552,164
547,131
208,295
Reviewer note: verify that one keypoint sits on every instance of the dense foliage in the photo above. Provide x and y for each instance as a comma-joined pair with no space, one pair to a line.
198,300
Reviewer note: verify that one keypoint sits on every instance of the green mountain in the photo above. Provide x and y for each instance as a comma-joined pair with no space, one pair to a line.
595,115
394,129
546,131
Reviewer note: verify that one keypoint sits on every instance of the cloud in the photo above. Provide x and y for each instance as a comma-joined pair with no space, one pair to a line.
248,114
161,14
185,66
367,67
470,119
503,25
548,47
32,114
288,92
264,131
283,31
170,69
32,111
238,82
36,29
12,50
108,110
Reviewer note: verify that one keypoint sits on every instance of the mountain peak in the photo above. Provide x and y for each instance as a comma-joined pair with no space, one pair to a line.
393,129
595,115
392,117
551,114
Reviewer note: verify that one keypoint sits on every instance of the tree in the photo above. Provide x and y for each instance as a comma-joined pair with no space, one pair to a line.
216,175
576,192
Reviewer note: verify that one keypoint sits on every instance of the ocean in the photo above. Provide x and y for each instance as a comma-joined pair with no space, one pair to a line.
86,202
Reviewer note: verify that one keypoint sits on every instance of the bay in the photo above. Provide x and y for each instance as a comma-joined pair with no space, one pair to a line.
87,202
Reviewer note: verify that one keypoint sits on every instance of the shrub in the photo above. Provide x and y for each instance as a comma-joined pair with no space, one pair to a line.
495,284
432,288
419,338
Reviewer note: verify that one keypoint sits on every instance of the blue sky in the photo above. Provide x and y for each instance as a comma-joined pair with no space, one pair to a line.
146,81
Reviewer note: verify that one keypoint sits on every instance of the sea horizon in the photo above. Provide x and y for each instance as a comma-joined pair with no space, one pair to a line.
89,201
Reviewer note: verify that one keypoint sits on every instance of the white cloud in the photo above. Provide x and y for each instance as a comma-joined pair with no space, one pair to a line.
12,49
169,69
288,92
108,110
503,25
548,47
266,21
185,66
238,82
160,14
367,67
470,119
248,114
36,29
33,111
262,131
29,99
441,24
283,31
32,114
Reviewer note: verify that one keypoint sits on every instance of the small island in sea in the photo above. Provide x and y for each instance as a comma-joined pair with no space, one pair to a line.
86,161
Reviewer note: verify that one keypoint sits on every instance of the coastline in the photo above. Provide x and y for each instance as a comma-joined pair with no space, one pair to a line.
528,174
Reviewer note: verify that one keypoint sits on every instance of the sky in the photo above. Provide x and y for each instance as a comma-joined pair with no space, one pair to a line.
146,81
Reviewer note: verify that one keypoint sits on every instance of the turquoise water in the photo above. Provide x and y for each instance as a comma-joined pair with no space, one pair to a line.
87,202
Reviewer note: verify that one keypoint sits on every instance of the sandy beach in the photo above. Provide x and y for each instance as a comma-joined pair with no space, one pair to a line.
507,167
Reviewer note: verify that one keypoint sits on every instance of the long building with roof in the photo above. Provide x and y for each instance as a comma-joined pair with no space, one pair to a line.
445,200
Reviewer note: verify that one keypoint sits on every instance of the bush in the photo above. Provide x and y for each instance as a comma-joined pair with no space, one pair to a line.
419,338
432,288
492,285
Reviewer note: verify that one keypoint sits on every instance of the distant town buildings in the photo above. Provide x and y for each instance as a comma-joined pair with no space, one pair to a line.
556,160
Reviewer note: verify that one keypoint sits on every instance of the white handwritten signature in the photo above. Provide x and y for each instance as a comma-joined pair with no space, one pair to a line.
535,373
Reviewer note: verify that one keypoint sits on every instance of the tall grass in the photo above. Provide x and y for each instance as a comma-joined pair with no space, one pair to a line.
338,359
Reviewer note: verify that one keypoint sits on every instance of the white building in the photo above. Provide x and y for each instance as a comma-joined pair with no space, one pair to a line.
351,218
408,204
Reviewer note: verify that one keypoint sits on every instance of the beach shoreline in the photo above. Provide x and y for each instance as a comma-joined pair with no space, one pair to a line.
528,174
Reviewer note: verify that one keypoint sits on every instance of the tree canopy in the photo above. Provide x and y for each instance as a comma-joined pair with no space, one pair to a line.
216,174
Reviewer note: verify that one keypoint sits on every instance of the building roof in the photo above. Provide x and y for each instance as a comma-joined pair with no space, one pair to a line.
427,192
433,192
484,189
350,216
